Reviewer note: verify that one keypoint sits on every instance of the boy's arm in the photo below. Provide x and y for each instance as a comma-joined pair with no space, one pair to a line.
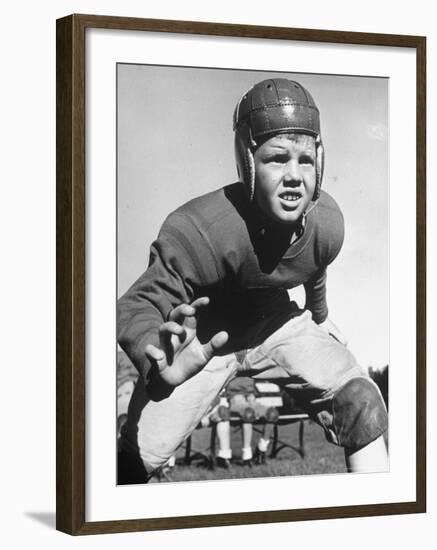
315,291
315,294
174,272
329,223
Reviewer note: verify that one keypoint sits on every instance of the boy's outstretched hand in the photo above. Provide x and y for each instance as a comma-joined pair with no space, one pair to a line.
181,355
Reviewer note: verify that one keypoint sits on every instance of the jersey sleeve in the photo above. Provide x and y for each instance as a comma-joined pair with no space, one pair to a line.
330,237
315,292
180,263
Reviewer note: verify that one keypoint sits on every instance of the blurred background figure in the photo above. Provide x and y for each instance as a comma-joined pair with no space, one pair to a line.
127,376
242,397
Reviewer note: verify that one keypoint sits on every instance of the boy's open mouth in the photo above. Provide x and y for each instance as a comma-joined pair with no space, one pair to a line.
290,196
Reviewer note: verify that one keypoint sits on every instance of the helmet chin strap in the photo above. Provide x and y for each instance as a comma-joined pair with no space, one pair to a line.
299,232
308,210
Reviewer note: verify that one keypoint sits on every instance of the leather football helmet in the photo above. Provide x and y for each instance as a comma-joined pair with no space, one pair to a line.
273,106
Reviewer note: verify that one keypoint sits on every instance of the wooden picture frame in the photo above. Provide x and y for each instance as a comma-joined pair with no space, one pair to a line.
71,272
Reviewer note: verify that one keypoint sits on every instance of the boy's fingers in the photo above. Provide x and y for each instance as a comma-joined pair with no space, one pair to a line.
185,314
216,342
171,327
179,313
200,302
166,332
191,320
156,355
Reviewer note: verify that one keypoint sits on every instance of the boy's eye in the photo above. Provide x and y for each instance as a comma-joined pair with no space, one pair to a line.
279,159
306,159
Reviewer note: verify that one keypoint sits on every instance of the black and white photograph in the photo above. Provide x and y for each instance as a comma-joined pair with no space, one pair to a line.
252,274
219,225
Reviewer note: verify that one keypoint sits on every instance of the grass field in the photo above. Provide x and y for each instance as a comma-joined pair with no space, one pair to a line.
321,457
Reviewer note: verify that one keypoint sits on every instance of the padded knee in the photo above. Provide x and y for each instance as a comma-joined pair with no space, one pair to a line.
359,414
248,415
272,415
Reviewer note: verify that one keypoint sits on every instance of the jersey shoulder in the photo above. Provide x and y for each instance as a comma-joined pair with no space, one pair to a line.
215,213
212,228
329,224
328,208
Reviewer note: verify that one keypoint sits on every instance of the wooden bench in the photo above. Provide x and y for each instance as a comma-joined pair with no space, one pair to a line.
209,455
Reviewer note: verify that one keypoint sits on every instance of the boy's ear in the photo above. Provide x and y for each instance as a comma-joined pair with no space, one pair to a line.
244,160
320,164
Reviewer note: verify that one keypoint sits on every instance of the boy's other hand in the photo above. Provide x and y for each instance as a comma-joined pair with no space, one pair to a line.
181,355
335,332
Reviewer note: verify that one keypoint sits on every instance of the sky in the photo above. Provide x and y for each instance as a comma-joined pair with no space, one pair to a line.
175,142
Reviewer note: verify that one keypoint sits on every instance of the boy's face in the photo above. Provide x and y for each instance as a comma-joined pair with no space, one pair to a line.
285,176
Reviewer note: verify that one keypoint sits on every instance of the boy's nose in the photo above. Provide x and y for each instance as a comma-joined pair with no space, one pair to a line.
292,175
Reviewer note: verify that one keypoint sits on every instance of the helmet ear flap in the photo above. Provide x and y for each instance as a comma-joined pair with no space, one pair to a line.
320,164
244,160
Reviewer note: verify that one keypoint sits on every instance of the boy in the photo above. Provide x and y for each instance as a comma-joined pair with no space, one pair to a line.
214,298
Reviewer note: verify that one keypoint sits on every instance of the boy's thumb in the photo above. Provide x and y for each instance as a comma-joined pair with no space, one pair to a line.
217,341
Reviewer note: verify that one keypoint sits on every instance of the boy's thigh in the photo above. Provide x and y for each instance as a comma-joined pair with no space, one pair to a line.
157,428
325,378
305,357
